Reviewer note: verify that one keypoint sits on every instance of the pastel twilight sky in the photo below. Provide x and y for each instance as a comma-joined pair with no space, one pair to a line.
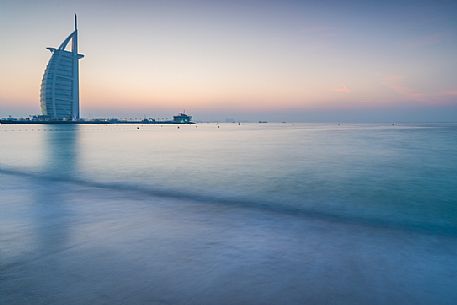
247,60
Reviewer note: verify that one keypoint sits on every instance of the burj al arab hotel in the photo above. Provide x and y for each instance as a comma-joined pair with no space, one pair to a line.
59,95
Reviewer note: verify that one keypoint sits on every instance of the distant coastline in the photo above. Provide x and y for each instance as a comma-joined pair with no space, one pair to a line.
181,118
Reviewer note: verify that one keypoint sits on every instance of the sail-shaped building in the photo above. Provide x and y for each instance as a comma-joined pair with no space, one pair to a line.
59,95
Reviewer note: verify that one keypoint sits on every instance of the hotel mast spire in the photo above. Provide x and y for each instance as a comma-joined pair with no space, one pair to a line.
74,40
74,50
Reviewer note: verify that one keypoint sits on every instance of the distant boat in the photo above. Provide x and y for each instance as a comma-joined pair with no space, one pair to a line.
182,118
263,122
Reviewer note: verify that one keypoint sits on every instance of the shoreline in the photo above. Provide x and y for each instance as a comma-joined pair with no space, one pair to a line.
145,191
102,246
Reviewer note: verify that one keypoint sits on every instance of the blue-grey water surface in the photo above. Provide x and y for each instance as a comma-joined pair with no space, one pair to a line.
240,214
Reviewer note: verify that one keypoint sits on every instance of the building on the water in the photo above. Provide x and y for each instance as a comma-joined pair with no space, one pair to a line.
182,118
59,95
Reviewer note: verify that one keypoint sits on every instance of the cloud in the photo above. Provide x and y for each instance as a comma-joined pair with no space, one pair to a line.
450,93
397,83
343,89
429,39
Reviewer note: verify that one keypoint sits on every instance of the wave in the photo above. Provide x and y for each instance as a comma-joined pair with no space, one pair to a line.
187,196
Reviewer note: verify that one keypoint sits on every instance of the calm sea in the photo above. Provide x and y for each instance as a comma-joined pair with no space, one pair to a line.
402,175
235,214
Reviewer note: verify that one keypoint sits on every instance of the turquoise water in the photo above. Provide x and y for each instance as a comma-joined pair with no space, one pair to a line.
395,175
240,214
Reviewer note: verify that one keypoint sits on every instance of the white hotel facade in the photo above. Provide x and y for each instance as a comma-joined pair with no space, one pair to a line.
59,96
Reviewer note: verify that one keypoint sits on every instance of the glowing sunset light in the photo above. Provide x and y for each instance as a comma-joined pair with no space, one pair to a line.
205,55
